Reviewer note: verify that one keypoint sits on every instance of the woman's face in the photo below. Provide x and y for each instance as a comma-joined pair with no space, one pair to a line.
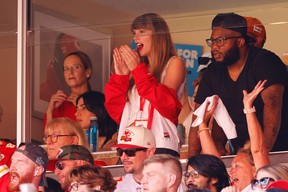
83,115
143,40
75,74
241,172
58,137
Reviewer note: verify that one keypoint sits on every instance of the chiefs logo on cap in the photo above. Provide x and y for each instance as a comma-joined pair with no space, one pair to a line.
126,137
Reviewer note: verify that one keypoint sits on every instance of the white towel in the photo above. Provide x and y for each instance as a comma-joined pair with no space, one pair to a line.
221,116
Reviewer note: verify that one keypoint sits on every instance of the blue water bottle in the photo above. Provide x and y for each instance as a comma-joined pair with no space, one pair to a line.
93,140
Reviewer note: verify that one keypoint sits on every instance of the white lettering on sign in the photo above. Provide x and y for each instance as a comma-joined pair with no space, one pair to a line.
189,63
187,53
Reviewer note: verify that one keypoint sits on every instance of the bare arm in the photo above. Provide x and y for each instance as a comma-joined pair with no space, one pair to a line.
213,143
207,143
194,147
272,98
175,73
258,148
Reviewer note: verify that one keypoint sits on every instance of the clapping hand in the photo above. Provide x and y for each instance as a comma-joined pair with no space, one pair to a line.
130,57
119,64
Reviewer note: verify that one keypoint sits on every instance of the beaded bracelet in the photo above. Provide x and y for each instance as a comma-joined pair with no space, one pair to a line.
208,129
247,111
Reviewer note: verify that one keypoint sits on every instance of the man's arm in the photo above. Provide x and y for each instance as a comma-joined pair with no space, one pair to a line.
272,97
194,147
219,138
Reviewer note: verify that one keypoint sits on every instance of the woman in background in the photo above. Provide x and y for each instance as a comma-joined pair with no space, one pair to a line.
77,70
91,104
60,132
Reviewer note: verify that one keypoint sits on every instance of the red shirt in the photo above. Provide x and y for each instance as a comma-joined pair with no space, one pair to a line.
66,109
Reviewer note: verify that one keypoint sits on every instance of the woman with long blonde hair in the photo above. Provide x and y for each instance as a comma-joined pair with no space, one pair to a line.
147,83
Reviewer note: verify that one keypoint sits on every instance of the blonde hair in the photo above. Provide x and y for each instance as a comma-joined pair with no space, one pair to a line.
171,163
162,47
279,171
71,126
246,149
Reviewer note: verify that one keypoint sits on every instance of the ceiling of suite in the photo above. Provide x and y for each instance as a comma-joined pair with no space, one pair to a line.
168,7
116,12
111,11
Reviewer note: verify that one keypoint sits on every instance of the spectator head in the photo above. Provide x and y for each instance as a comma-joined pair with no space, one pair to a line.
29,163
134,146
256,31
228,38
91,104
242,170
161,172
206,172
88,177
161,40
79,64
269,174
232,22
60,132
69,157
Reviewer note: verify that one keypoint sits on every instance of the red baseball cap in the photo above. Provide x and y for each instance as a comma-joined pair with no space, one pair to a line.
256,30
280,184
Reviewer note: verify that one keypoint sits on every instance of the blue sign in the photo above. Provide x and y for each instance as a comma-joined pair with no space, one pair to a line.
190,54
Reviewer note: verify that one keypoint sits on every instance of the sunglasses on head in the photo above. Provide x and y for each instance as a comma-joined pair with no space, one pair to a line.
59,165
263,182
129,152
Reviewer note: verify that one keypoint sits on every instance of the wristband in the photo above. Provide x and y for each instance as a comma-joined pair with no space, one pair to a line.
247,111
208,129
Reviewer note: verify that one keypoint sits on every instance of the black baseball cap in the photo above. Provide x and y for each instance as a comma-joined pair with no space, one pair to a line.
231,21
38,155
75,152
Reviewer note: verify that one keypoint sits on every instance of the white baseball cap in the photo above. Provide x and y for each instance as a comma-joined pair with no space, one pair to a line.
136,137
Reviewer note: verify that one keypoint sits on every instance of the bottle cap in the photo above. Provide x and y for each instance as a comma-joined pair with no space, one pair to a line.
93,118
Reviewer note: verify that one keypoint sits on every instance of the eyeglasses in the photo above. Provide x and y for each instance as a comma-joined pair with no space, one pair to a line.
73,67
53,137
59,165
219,40
75,186
129,152
193,174
262,182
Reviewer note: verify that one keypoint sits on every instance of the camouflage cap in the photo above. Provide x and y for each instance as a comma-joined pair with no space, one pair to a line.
75,152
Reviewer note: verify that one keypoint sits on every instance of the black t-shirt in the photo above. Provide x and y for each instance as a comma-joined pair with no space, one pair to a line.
260,65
